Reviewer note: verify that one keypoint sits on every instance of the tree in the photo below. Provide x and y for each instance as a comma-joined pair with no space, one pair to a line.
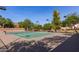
21,24
47,26
64,23
2,20
56,20
72,20
27,24
8,23
1,23
37,27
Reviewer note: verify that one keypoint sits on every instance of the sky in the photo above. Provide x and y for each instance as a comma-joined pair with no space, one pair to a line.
36,13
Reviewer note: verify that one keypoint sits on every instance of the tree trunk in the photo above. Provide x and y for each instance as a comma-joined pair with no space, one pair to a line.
75,30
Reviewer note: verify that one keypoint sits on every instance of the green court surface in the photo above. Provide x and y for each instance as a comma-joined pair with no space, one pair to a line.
29,34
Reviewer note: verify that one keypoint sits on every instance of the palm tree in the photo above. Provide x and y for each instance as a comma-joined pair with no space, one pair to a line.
2,8
37,22
47,19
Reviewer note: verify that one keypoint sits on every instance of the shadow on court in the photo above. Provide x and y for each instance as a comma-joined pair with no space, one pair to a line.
70,45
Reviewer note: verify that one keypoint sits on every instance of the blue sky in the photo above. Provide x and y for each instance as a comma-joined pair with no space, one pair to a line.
36,13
